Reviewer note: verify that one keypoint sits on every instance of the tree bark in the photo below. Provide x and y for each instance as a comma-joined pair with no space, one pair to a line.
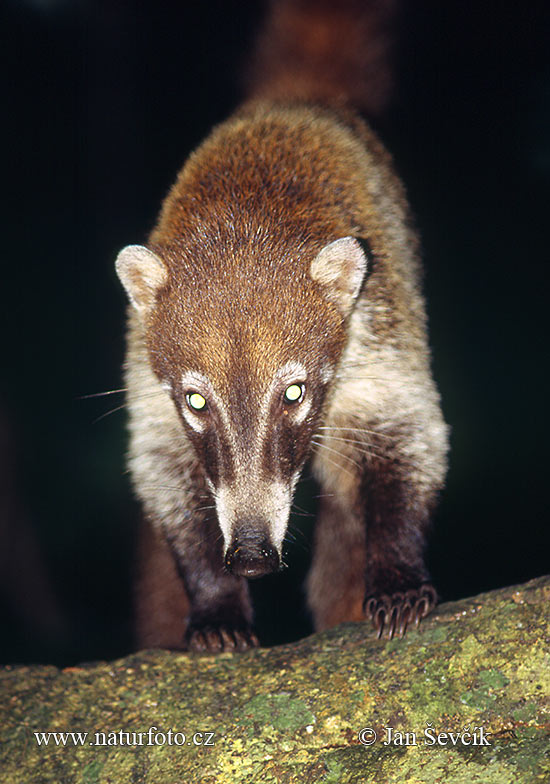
467,698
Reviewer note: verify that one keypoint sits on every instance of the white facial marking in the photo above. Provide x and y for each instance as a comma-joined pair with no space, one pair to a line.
224,497
327,373
250,496
281,498
210,485
292,370
264,501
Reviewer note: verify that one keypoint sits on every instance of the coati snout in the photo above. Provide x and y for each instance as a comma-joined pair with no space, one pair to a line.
251,554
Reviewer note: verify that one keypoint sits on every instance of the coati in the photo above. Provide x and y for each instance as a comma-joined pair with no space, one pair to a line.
276,316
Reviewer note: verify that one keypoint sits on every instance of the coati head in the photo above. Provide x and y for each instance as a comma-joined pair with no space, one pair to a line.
247,349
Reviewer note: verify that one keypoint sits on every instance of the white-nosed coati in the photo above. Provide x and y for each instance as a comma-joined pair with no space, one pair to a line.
277,316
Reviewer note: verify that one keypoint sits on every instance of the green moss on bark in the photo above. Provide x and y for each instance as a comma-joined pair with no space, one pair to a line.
476,673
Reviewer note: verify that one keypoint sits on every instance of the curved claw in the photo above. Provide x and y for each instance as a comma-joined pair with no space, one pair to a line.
216,639
391,615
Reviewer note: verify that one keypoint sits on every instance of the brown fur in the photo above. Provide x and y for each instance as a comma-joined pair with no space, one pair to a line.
320,50
241,277
160,599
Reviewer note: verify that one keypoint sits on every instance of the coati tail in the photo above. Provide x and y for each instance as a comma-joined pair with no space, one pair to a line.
335,51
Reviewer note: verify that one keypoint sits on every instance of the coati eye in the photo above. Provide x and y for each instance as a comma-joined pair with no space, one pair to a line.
294,393
195,401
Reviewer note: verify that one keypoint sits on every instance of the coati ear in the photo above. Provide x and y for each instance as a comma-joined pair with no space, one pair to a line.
341,267
142,274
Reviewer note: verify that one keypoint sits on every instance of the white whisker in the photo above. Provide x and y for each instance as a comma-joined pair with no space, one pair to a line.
336,452
108,413
360,441
358,446
338,465
101,394
123,405
356,430
323,495
163,487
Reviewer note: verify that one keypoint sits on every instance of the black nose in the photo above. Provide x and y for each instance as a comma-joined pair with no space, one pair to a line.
251,555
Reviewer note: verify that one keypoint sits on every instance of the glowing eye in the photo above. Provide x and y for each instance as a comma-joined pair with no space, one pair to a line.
294,393
195,401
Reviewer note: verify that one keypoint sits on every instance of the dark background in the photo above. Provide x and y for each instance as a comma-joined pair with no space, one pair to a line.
102,101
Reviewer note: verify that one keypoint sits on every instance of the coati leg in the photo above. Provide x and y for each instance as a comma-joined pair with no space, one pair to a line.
398,591
220,615
375,569
194,606
184,597
370,539
217,618
160,601
336,581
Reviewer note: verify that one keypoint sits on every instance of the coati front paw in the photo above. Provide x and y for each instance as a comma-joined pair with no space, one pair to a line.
218,638
391,615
